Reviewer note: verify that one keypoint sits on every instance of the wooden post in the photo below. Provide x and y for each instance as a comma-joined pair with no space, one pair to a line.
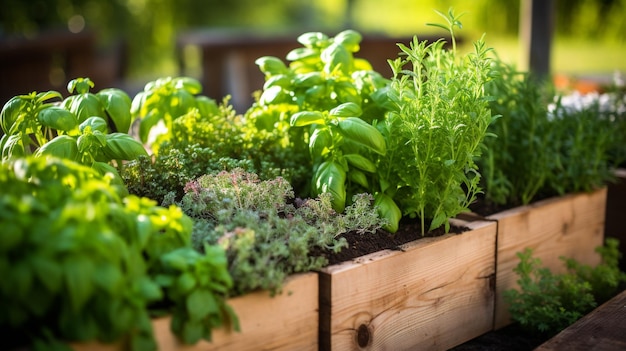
536,26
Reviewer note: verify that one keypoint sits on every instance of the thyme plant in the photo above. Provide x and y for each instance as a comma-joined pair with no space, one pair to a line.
267,234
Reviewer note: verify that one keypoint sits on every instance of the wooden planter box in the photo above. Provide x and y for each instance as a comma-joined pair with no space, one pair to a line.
288,321
570,226
434,294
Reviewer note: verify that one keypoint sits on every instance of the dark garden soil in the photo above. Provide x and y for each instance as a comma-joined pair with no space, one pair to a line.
363,244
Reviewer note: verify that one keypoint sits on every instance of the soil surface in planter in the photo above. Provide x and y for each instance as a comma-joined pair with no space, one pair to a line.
363,244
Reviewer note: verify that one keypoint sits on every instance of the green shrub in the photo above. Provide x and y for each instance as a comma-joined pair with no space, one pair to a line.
548,303
546,144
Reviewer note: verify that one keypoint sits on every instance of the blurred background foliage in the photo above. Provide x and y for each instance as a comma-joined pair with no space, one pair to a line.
149,27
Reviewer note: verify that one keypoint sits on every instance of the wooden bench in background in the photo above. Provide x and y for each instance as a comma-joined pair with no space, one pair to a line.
49,60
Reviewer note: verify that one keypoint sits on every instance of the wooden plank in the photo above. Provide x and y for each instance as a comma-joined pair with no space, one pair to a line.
288,321
434,294
285,322
604,329
570,226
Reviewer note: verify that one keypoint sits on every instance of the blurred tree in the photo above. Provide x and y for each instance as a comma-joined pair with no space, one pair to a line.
149,27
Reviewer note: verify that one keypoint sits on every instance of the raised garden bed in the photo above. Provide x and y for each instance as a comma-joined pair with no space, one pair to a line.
287,321
432,294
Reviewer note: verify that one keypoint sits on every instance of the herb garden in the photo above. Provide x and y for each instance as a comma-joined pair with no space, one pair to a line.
168,218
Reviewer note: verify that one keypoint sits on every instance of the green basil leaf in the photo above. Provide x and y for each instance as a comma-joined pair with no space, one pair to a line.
389,210
439,220
63,146
350,39
313,39
274,95
331,178
95,123
137,104
108,277
271,65
47,95
310,79
12,146
305,118
181,102
363,133
85,106
149,289
200,304
358,177
57,118
192,332
320,142
337,57
348,109
147,123
348,93
80,85
185,283
207,106
121,146
10,113
360,162
191,85
305,55
280,80
78,271
117,104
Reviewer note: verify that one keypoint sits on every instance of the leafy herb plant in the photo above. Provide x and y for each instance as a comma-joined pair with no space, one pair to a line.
81,262
439,115
544,146
548,303
164,100
518,162
206,143
341,145
267,234
323,100
88,128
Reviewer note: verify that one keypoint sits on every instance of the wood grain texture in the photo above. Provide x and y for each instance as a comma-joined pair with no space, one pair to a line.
570,226
604,329
434,294
288,321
